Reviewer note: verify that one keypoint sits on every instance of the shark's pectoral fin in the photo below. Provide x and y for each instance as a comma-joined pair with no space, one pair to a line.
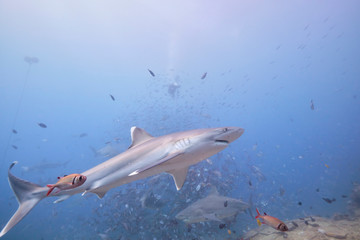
179,176
160,161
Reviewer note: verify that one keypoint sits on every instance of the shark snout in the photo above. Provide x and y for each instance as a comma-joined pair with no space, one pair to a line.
229,134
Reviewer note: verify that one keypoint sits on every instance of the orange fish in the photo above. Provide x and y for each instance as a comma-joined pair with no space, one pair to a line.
67,182
271,221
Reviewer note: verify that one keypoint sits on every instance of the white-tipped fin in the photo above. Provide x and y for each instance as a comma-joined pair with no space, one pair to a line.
138,136
28,195
179,176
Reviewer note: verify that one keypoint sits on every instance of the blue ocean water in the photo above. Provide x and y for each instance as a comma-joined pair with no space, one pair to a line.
286,72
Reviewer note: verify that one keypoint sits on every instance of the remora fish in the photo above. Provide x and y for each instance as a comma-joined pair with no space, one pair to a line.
146,156
212,208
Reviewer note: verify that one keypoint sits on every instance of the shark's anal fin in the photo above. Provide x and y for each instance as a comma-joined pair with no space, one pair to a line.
179,176
62,198
28,195
160,161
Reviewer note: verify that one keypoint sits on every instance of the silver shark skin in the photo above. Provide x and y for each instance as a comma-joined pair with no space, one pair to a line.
146,156
212,208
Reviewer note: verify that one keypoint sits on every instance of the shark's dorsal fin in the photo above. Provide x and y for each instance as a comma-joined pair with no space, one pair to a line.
179,176
214,191
138,136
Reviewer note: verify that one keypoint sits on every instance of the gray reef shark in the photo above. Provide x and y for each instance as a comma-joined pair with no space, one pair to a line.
212,208
146,156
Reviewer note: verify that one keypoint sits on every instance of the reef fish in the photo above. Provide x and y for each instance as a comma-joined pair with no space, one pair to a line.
67,182
271,221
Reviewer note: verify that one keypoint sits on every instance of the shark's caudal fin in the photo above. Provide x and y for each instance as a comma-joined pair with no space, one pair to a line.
28,195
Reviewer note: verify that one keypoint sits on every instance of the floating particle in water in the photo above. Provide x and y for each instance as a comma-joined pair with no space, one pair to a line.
14,131
299,203
112,97
226,203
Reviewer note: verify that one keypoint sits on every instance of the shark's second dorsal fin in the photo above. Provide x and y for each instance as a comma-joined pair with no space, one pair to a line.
179,176
138,136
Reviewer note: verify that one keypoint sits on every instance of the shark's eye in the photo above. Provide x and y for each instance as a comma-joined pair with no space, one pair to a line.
80,178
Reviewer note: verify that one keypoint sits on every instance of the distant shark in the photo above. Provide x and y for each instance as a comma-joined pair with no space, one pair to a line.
212,208
146,156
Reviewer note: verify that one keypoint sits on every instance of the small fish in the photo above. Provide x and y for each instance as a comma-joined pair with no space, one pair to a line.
281,191
328,200
250,183
112,97
151,72
83,135
14,131
326,165
43,125
14,147
271,221
229,231
226,203
221,225
295,224
67,182
204,75
312,105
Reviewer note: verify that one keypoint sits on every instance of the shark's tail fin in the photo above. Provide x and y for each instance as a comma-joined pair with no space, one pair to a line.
28,195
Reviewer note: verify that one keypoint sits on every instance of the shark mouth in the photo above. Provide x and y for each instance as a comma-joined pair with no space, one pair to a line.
222,141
